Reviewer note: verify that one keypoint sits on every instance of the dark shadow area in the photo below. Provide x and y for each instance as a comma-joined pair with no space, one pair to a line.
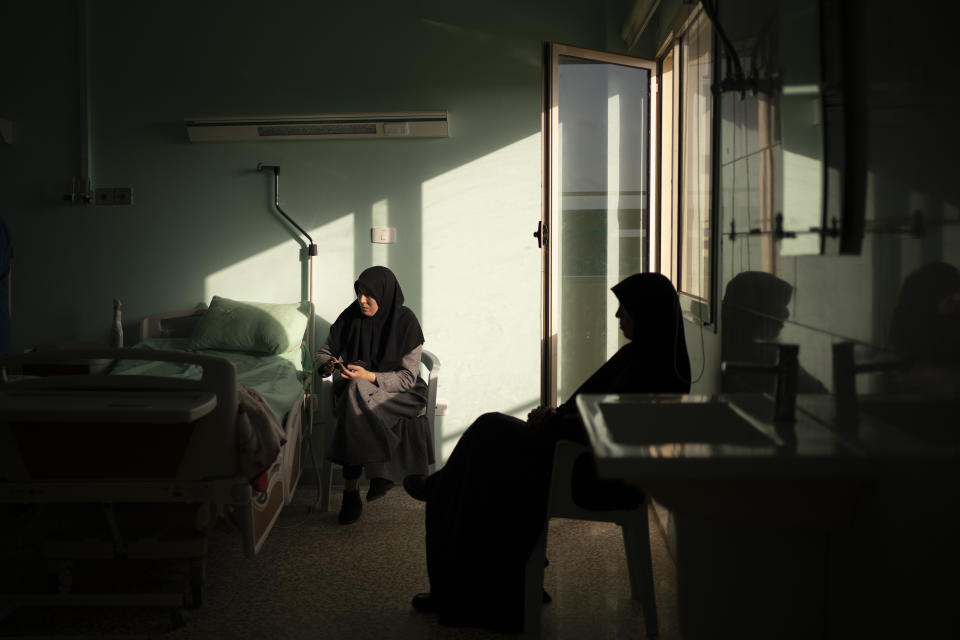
753,312
921,391
926,323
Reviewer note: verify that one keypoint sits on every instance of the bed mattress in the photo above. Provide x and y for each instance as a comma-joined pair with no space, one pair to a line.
279,379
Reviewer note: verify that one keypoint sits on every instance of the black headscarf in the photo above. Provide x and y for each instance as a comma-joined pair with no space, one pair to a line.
656,360
382,340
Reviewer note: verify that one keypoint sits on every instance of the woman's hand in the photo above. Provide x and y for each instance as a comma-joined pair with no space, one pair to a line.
326,369
537,416
355,371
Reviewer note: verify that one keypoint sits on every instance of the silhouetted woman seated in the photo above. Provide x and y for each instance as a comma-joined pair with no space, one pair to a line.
374,347
487,506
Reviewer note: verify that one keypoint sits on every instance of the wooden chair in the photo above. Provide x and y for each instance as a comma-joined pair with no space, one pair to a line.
636,543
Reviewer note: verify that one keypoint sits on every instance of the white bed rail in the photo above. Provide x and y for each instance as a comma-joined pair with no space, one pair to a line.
210,451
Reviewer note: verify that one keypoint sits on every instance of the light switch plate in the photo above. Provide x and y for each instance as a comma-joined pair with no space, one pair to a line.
383,235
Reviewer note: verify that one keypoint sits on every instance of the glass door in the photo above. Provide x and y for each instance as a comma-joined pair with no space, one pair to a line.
598,125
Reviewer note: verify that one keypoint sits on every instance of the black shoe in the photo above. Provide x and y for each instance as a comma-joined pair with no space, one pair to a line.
378,488
416,487
351,508
424,603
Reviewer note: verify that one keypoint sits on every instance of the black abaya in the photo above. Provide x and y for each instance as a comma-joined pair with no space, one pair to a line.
487,506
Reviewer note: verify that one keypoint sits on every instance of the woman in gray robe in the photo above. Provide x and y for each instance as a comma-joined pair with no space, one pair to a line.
374,353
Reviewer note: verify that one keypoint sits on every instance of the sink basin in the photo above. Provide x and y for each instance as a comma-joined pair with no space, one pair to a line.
645,438
751,499
700,420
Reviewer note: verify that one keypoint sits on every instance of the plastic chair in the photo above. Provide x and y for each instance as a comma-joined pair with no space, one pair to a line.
429,365
636,543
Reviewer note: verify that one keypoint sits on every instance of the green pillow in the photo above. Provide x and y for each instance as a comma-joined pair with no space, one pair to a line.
258,327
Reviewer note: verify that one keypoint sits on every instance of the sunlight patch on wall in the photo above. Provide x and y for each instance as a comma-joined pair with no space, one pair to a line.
806,176
333,275
273,275
481,284
277,274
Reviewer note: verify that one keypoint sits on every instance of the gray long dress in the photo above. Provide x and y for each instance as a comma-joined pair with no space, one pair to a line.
381,424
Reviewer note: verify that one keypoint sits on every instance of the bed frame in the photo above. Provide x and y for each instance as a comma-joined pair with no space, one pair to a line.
297,425
83,471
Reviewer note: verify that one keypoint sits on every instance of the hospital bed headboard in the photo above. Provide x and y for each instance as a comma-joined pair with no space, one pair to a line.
174,324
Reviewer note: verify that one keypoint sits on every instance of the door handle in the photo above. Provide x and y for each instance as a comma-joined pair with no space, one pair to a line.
540,234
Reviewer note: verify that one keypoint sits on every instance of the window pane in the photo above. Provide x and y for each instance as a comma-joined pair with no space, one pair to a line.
696,111
603,141
668,141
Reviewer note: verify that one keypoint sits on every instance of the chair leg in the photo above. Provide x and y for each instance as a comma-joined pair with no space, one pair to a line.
533,587
636,544
326,479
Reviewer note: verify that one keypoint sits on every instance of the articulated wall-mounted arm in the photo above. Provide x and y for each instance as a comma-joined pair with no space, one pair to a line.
311,246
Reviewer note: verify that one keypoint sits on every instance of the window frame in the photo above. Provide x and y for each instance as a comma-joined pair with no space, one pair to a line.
700,309
551,194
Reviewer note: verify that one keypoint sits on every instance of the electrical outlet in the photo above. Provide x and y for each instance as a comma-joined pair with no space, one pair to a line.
103,196
123,195
113,195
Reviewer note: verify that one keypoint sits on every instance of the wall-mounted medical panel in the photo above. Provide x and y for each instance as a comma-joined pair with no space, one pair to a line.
397,125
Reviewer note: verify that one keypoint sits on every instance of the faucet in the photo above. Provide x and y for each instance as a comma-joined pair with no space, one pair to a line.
845,371
787,371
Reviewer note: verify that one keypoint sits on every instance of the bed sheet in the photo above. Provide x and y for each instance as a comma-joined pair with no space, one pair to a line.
279,379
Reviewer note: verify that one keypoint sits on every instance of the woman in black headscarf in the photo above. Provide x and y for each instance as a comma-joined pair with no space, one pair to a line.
486,507
374,349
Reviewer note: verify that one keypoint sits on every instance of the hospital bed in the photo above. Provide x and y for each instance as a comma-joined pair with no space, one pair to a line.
138,462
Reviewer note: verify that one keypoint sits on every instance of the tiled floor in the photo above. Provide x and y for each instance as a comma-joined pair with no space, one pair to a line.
317,579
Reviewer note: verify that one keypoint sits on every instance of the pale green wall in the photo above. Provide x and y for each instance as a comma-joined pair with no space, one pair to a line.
202,222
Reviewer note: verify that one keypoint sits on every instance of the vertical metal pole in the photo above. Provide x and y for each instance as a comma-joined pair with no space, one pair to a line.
311,342
82,184
276,188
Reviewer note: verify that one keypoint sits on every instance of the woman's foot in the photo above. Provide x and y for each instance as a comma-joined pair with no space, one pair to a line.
424,603
351,508
378,488
416,488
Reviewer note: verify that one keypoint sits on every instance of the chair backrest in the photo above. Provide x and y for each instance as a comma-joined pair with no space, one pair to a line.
561,503
431,363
